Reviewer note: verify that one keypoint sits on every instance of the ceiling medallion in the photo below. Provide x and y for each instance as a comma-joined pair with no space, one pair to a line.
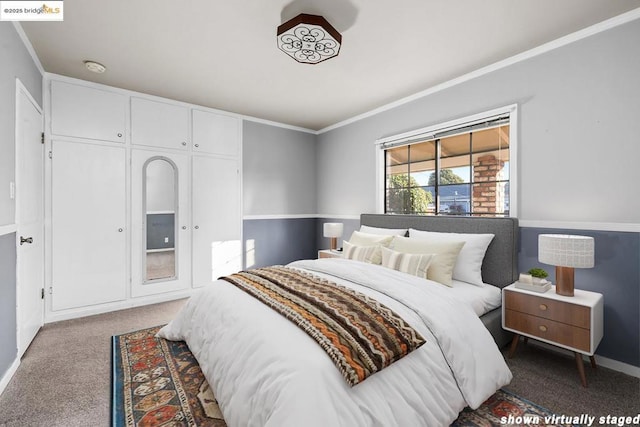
309,39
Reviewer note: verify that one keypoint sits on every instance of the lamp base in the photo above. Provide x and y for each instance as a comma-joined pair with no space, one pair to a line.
333,243
564,281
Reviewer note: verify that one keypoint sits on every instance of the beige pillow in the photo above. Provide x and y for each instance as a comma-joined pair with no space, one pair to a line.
370,254
446,254
414,264
468,267
359,238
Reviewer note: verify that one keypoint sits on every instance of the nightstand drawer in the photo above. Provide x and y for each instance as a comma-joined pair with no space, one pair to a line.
571,314
556,332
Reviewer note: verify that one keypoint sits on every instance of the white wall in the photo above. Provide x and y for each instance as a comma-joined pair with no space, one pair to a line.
578,132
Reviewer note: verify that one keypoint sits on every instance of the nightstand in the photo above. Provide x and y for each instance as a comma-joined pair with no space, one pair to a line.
328,253
574,323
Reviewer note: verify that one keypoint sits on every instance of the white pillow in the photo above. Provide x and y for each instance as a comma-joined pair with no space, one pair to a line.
446,253
468,268
383,231
370,254
414,264
366,239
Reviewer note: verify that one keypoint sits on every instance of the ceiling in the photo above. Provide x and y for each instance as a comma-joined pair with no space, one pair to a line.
224,54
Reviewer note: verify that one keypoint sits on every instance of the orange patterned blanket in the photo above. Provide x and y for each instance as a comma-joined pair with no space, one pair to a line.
360,335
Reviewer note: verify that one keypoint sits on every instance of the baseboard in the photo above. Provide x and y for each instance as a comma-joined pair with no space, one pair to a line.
51,317
4,382
615,365
605,362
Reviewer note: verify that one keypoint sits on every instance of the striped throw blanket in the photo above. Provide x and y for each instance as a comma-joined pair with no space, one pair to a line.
358,333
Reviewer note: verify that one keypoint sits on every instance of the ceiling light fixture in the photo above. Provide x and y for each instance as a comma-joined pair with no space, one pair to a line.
95,67
309,39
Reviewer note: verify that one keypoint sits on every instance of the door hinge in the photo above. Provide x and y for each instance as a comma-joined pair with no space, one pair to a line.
50,290
42,140
42,293
50,155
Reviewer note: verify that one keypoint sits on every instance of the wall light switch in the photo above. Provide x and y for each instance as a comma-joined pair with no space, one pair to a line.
12,190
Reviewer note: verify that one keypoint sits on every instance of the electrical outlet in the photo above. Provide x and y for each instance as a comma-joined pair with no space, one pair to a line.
166,240
12,190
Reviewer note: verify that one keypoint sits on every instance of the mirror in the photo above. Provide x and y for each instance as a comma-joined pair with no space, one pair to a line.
160,187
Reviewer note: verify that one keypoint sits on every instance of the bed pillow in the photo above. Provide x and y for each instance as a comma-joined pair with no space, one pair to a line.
414,264
446,253
367,239
370,254
468,267
384,231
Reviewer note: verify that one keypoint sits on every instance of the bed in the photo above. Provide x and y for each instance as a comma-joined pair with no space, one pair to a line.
266,371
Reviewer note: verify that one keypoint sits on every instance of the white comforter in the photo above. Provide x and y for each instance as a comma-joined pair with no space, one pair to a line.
265,371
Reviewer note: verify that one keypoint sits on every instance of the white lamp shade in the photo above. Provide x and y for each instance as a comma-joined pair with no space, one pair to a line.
566,250
333,229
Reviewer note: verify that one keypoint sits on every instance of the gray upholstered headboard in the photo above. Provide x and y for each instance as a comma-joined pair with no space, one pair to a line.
500,266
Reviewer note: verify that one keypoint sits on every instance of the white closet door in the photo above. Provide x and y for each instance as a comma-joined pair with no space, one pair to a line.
158,124
217,246
216,133
87,112
89,256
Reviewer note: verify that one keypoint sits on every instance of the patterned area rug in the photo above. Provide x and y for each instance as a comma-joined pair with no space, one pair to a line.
156,382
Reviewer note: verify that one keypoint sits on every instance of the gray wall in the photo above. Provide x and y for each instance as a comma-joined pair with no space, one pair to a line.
279,181
279,171
14,62
8,339
577,161
578,132
278,241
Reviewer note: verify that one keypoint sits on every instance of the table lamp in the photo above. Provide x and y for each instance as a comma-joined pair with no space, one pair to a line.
566,252
333,230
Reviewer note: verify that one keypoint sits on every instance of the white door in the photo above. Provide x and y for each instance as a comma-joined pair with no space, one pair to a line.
29,218
217,246
87,112
158,124
216,133
88,220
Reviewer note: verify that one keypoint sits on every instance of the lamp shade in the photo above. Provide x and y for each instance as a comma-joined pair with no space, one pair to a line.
566,250
333,229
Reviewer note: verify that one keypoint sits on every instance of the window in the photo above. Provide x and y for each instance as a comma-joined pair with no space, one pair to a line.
457,168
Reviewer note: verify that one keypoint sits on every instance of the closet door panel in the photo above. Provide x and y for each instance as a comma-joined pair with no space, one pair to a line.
217,248
86,112
216,133
157,124
89,244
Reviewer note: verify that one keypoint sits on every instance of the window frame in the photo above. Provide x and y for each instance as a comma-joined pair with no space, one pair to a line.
417,135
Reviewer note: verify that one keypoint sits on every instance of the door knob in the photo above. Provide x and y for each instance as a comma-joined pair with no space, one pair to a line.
25,240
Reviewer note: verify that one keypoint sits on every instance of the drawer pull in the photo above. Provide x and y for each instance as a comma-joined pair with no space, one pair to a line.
543,307
542,328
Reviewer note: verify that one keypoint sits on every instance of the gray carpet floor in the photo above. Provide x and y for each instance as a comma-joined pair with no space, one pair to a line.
64,377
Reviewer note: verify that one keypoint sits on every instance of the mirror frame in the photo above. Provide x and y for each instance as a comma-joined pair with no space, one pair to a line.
145,165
